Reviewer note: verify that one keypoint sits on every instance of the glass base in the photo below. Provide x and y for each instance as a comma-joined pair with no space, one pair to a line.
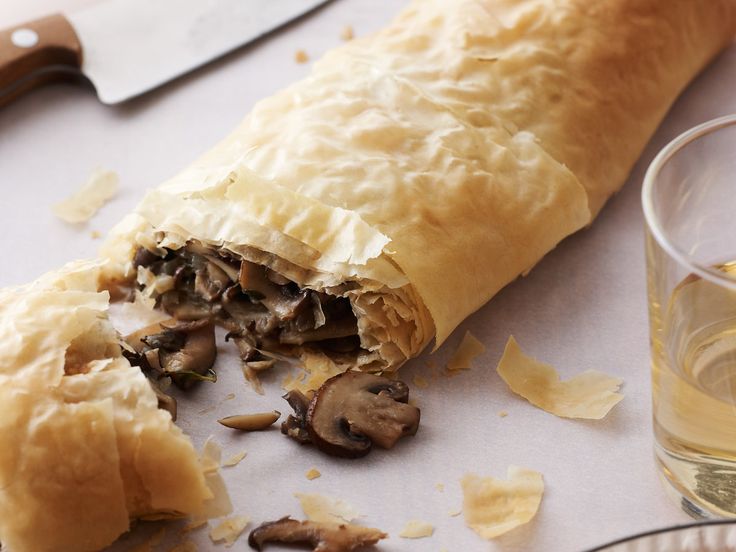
705,488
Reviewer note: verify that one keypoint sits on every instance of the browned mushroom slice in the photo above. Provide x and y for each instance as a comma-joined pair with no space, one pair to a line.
210,280
135,339
282,301
185,351
342,327
295,426
144,257
194,360
353,410
183,305
263,309
277,278
318,313
247,314
253,279
322,537
165,402
137,352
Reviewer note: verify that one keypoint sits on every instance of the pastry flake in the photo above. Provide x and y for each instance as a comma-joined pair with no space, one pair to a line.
82,205
493,507
590,395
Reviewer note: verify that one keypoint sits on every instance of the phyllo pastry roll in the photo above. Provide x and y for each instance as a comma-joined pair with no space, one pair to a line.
369,208
84,448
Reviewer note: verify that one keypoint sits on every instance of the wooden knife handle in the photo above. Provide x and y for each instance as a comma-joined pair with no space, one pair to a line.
35,53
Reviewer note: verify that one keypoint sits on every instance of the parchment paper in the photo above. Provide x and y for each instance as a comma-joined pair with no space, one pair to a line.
583,307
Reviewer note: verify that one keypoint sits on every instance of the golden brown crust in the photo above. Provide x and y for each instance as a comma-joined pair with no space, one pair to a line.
590,79
431,164
83,446
626,63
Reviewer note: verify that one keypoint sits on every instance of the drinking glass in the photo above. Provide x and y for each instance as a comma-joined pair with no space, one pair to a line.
689,202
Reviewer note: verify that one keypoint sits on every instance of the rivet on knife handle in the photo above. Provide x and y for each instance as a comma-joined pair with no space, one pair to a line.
35,53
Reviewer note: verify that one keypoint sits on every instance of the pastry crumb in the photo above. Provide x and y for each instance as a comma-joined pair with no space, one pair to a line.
95,234
313,473
210,456
417,529
317,369
82,205
251,376
440,487
326,508
347,33
502,413
229,529
300,56
589,395
493,506
234,460
421,382
207,410
463,356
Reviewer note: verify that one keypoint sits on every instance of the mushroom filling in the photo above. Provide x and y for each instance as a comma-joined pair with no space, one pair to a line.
261,309
320,536
184,352
350,412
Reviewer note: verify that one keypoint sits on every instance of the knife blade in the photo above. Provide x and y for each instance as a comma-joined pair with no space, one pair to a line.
127,47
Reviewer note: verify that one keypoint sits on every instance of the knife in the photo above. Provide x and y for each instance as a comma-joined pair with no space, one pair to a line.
127,47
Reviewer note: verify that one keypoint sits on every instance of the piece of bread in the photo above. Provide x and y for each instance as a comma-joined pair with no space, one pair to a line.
419,170
84,448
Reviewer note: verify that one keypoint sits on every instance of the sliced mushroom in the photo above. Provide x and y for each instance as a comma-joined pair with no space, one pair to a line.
253,279
318,313
322,537
343,327
277,299
210,281
252,370
134,350
226,265
144,257
251,422
333,320
295,426
350,412
259,366
165,338
266,309
353,410
246,314
165,402
186,351
277,278
254,362
194,360
183,305
135,339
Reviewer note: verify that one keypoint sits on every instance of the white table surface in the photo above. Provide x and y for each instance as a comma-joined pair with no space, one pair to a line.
583,306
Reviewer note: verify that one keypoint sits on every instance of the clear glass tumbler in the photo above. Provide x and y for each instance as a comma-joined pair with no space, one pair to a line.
689,201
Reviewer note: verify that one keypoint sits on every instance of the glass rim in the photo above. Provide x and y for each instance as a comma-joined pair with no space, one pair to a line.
670,529
652,221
